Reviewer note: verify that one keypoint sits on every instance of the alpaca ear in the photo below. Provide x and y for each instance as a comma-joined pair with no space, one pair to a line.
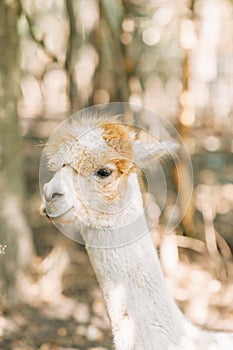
145,154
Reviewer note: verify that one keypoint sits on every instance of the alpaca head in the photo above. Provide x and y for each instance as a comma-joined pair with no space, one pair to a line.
95,163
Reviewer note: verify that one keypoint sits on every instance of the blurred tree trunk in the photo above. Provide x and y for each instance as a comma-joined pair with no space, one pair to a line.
187,181
14,232
185,121
112,62
76,102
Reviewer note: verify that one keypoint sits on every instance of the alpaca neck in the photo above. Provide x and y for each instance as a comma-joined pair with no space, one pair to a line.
142,314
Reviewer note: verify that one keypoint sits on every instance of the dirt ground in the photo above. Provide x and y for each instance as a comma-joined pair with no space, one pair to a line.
65,309
67,313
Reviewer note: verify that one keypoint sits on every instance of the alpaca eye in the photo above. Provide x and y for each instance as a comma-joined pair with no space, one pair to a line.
103,172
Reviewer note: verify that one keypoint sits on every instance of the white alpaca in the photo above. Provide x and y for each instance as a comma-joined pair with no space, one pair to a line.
95,191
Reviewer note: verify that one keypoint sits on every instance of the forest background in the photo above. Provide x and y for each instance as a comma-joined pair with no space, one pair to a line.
59,56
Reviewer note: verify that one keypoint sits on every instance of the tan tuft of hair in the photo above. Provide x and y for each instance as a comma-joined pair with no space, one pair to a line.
120,139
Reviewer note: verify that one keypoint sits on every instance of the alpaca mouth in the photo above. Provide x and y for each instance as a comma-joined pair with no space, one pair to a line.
55,215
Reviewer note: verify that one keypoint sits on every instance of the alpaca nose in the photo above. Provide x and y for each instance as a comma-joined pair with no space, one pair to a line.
51,193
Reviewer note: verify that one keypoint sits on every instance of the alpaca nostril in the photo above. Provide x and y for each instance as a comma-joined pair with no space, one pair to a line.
50,193
56,195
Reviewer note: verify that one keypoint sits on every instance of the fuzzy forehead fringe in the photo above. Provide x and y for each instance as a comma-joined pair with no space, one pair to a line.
61,142
73,127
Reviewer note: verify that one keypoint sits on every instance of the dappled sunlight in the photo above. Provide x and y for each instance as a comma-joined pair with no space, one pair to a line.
7,326
151,36
188,37
30,104
118,296
54,90
174,57
196,286
48,310
123,325
209,47
84,70
89,15
52,269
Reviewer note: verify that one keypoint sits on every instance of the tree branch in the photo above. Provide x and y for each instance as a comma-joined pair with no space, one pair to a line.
72,91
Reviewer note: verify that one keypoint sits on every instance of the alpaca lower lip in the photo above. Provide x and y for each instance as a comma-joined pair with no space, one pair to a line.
56,216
